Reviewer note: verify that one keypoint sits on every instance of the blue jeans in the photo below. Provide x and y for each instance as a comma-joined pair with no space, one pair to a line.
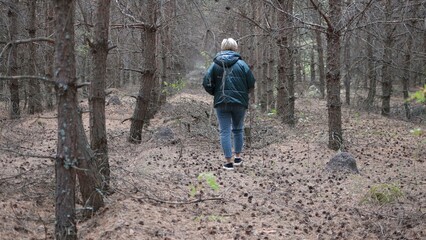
231,115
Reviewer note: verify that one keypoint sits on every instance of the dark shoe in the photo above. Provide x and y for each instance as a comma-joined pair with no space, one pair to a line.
238,161
228,166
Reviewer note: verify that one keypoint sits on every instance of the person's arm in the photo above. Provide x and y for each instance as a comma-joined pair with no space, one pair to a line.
208,81
250,80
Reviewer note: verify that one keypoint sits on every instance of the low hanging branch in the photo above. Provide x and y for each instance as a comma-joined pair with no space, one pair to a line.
22,41
41,78
28,77
126,12
135,70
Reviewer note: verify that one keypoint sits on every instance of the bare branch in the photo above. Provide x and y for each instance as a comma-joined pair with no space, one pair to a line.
299,20
181,203
28,77
131,25
21,41
27,155
126,13
83,84
356,16
135,70
326,19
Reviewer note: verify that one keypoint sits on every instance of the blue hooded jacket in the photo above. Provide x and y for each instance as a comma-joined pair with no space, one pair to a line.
238,77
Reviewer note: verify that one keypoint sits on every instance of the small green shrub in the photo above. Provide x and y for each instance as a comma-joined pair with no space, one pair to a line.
175,86
204,178
383,193
419,96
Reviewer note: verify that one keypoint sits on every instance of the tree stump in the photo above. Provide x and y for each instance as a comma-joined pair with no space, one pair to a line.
342,163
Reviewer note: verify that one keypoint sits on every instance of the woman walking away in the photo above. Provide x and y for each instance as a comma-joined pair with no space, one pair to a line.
230,80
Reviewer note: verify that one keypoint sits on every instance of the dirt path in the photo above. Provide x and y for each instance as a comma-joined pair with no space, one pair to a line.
281,192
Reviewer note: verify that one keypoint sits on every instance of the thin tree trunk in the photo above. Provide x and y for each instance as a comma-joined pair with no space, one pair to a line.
321,65
262,60
271,75
89,174
165,35
13,58
48,69
347,61
387,76
67,152
406,77
143,99
99,52
372,76
263,99
34,96
333,79
312,68
387,60
285,97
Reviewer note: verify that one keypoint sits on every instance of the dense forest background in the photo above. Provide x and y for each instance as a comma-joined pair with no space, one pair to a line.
320,66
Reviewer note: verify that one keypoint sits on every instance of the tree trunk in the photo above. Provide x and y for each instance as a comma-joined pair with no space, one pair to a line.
90,174
335,135
387,60
166,44
143,99
372,76
406,76
263,98
34,96
347,61
13,58
285,94
321,65
386,75
312,68
48,69
99,52
67,149
263,61
271,75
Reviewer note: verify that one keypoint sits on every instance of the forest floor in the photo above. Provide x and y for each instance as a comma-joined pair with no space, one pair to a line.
164,187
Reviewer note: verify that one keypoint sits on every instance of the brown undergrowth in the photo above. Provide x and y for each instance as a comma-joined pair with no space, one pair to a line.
281,191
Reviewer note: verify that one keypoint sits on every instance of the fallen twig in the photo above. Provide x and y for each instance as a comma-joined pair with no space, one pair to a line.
183,202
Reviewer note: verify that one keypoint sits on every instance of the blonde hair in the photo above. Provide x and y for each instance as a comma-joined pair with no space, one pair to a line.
229,44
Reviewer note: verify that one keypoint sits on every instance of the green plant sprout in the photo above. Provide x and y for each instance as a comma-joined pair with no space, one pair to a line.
273,112
207,59
175,86
210,179
209,218
416,132
204,178
383,193
419,96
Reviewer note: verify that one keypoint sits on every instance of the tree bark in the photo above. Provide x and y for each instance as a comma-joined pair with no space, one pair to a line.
99,52
407,76
347,61
143,99
67,149
335,135
387,60
49,56
34,96
90,175
12,63
321,65
372,76
285,91
271,75
312,68
166,44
